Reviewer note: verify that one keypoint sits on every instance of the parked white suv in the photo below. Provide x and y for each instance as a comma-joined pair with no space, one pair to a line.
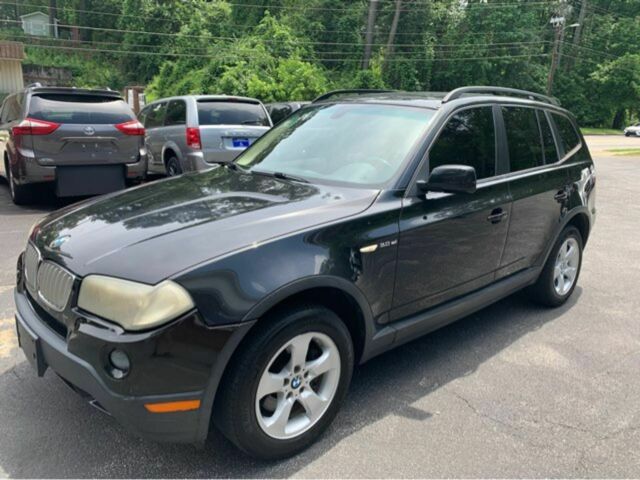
633,130
195,132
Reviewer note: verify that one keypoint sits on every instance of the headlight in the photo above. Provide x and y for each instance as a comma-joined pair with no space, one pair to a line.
134,306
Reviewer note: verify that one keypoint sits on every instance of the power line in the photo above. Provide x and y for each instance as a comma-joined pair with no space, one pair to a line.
302,42
235,57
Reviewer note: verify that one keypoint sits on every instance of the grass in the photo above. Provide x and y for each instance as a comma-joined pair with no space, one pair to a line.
600,131
625,151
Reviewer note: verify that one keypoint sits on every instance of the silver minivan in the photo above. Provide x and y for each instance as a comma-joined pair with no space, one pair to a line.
195,132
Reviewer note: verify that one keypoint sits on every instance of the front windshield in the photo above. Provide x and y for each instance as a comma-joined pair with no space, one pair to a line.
362,144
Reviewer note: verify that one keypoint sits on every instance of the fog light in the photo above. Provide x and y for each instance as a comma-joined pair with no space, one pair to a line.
120,364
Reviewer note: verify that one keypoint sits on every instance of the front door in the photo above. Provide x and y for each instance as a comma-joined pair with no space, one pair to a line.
451,244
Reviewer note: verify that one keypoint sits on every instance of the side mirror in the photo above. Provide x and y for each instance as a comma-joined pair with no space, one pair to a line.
450,179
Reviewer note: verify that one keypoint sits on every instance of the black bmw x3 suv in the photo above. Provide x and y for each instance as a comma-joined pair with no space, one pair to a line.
244,295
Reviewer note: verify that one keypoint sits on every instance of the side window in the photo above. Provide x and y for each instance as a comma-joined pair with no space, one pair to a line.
549,146
523,138
155,117
142,116
568,135
468,138
11,110
176,113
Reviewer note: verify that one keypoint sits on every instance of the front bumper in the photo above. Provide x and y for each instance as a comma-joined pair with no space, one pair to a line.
181,361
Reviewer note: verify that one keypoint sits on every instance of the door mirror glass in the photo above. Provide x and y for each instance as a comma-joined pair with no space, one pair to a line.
450,179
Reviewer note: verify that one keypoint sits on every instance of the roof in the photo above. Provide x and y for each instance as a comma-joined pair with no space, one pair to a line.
11,50
34,14
414,99
435,100
77,91
209,97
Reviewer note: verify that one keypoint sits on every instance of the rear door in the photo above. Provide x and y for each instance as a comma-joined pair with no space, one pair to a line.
229,126
154,131
538,184
88,130
451,244
175,126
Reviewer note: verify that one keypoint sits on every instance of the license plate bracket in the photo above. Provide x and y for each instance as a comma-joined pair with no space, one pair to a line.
30,344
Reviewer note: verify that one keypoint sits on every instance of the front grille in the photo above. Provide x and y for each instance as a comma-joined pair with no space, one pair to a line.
31,261
46,281
54,285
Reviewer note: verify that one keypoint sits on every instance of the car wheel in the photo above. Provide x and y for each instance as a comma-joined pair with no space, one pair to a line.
20,194
560,274
173,167
287,383
627,134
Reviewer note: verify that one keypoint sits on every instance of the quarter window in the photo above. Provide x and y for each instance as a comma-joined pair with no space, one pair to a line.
568,135
550,152
523,138
176,113
468,138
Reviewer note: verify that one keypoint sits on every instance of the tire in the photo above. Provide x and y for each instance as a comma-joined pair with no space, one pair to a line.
554,286
173,166
247,421
20,194
627,134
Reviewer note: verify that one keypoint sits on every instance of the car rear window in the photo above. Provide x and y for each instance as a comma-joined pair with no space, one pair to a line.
79,109
216,112
568,135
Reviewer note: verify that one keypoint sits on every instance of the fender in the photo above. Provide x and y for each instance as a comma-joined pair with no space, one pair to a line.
251,318
173,147
582,209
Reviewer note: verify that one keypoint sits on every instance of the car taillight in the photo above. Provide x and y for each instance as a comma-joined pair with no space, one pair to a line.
132,127
193,138
31,126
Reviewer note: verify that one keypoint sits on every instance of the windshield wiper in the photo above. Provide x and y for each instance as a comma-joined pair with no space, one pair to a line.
281,175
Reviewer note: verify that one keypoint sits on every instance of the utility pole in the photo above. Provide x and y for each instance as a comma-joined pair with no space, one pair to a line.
578,33
371,21
557,23
53,7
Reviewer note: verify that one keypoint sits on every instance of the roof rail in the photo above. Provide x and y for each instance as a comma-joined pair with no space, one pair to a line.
459,92
353,91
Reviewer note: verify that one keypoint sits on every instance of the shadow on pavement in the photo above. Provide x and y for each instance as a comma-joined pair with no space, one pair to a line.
49,432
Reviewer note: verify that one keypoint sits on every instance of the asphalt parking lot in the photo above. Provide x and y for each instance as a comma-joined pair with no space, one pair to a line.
513,391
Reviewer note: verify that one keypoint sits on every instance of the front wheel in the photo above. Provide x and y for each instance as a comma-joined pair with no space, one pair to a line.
287,383
560,274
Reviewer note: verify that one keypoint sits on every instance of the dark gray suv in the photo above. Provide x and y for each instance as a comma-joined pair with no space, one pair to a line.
87,142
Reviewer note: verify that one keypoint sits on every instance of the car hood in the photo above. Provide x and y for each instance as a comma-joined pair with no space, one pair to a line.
155,231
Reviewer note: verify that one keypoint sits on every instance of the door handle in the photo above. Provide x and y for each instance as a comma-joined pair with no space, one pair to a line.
561,196
497,215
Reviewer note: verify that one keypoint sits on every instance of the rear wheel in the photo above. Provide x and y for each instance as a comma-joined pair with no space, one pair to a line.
287,384
560,274
173,166
20,194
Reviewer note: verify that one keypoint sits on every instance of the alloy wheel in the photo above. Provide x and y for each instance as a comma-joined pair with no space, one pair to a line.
566,267
298,385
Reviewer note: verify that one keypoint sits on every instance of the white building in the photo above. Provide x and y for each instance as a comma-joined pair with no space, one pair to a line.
37,23
11,55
